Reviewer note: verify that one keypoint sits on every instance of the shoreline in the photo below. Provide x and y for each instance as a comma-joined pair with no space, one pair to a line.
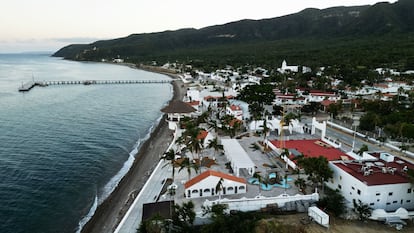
110,212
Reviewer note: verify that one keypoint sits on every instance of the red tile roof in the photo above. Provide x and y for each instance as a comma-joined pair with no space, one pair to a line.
327,102
208,173
378,172
235,108
194,103
202,135
312,148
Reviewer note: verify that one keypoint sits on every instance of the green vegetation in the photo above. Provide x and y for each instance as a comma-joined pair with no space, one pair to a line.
393,118
317,169
182,221
362,210
333,202
341,37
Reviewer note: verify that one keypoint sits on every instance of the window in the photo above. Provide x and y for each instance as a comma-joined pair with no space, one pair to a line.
359,192
340,177
377,194
339,186
409,191
353,188
195,191
372,203
408,201
230,188
378,200
388,203
206,190
241,187
390,194
394,202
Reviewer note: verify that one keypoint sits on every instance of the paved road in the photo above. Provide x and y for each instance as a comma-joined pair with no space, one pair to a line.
347,140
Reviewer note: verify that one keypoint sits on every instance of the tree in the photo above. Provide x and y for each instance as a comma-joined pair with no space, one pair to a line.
170,156
262,94
333,202
363,148
301,184
213,143
317,169
155,224
363,210
190,138
187,164
220,187
266,131
183,217
260,180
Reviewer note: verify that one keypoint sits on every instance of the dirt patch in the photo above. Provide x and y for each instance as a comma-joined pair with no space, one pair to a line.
340,225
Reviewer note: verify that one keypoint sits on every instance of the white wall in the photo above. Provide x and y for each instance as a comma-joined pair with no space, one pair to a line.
376,196
207,188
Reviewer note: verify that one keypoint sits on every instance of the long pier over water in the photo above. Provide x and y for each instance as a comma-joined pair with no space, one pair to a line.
29,85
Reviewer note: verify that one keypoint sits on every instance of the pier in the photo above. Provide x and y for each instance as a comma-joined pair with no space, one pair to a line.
29,85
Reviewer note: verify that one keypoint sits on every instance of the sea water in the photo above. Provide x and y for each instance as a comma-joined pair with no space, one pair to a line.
64,148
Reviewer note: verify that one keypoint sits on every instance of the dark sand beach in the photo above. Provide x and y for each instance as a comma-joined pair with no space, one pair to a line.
110,212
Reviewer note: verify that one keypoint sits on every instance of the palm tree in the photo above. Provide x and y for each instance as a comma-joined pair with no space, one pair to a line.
266,131
220,187
363,148
301,184
213,143
188,165
259,180
170,156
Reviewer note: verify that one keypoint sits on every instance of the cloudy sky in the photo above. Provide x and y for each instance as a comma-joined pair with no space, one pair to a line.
47,25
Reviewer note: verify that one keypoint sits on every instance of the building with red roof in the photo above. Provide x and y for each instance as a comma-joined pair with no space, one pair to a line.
382,182
204,185
309,148
235,110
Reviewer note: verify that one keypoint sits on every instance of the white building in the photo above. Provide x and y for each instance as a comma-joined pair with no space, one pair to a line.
235,110
204,185
382,183
237,156
285,68
319,96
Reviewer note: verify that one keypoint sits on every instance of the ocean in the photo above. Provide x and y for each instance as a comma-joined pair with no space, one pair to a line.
64,148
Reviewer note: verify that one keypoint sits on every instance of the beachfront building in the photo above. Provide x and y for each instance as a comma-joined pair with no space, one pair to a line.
214,183
382,182
177,110
237,157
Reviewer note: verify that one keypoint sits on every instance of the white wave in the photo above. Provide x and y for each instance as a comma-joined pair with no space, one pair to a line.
114,181
91,212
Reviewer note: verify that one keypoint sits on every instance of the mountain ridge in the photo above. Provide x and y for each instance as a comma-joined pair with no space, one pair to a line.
380,20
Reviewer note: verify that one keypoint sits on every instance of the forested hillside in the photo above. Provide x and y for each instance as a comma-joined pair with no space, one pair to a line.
378,35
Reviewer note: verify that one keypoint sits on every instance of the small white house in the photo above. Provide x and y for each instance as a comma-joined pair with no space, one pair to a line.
204,185
235,110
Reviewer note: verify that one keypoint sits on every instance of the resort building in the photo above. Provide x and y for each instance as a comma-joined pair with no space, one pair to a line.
382,182
214,183
176,110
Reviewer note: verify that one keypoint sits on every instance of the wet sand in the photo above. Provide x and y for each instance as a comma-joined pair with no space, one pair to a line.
111,211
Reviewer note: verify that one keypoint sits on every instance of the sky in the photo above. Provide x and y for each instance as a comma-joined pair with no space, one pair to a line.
48,25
